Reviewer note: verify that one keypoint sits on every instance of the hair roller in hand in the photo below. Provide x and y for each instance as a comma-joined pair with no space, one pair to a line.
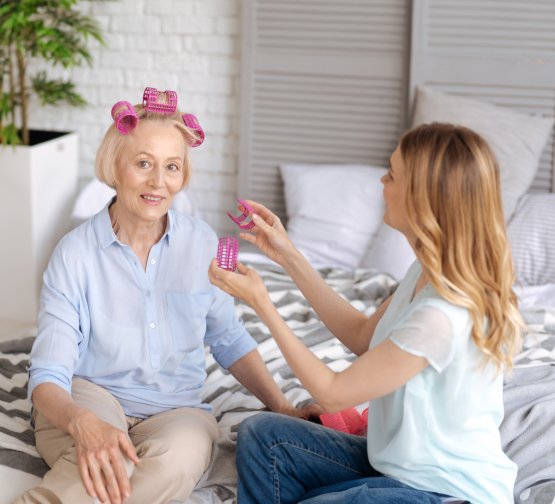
243,216
124,116
157,101
227,253
192,122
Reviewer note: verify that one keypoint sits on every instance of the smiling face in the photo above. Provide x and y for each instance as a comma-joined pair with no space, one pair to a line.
150,171
394,195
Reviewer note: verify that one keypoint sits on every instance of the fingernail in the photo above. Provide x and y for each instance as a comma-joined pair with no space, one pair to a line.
255,217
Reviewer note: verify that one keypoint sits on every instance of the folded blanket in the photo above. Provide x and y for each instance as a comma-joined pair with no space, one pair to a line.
528,430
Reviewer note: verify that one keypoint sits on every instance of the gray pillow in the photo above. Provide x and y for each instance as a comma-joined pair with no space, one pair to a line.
516,139
532,236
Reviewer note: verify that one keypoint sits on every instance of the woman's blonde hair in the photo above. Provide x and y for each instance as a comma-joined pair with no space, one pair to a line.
453,202
113,143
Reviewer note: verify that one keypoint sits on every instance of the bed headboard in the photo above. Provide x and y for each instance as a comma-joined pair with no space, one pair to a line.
501,52
325,81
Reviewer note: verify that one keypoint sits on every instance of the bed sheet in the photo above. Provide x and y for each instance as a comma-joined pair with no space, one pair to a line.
21,466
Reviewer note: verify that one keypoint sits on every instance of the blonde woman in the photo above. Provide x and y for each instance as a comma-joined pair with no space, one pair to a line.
118,366
430,359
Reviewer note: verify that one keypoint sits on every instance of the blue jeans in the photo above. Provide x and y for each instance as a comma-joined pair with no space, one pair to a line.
286,460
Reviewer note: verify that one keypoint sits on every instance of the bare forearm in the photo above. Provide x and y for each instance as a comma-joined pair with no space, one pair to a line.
251,372
346,323
378,372
57,406
309,369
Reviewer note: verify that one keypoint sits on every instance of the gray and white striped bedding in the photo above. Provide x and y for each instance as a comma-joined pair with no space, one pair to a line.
21,466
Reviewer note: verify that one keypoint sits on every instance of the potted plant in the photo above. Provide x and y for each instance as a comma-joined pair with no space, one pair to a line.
38,169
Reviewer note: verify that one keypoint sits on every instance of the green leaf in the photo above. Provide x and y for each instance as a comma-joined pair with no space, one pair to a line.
51,92
9,135
52,30
5,106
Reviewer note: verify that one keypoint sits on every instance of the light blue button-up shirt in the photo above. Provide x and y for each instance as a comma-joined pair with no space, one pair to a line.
138,334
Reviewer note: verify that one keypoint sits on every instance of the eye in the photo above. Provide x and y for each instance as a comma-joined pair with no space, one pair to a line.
173,167
143,164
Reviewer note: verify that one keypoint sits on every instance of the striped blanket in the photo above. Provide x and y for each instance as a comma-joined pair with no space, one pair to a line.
21,466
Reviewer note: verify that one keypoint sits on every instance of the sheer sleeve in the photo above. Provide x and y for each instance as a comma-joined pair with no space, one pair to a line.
426,332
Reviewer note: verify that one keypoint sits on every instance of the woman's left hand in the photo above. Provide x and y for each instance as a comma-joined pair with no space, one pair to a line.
248,286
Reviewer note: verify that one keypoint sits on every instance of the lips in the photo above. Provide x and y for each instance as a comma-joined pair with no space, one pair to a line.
152,199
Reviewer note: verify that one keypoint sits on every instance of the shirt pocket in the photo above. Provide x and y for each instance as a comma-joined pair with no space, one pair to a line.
187,316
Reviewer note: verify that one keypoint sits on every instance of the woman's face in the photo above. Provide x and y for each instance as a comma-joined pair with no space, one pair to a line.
149,171
394,195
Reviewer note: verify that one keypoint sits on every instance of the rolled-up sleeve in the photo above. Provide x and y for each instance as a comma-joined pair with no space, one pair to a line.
55,352
225,333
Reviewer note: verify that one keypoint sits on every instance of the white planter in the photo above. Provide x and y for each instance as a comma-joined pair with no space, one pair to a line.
39,185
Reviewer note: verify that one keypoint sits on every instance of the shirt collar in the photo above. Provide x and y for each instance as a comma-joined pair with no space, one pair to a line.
105,231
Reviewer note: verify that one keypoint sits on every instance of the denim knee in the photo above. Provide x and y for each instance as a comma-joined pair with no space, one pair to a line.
255,432
259,423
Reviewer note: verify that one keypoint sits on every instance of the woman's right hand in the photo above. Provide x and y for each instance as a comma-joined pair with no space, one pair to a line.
100,460
269,234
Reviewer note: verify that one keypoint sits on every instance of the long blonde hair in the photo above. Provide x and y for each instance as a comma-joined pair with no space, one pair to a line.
113,143
453,202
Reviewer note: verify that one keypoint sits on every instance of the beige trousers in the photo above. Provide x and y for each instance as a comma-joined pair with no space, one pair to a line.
174,448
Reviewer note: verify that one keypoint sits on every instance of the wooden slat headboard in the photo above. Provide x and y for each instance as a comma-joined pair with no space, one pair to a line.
329,81
323,81
500,51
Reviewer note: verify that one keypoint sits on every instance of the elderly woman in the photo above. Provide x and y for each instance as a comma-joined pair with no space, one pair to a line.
118,367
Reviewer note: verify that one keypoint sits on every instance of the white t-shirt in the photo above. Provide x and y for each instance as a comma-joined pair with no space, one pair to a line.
440,431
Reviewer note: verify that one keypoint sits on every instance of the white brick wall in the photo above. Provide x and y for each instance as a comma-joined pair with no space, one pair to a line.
190,46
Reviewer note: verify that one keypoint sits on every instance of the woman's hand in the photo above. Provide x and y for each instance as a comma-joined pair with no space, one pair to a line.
99,458
248,286
312,412
269,234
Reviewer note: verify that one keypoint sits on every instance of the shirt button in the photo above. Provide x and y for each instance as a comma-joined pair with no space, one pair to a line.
152,261
153,325
148,293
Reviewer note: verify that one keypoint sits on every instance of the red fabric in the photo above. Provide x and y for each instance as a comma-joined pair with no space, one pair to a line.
349,421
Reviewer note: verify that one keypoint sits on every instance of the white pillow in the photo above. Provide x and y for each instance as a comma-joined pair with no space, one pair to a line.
389,251
334,211
516,139
532,236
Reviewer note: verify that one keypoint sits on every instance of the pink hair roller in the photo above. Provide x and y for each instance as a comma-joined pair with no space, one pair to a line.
192,122
349,421
243,216
227,253
151,103
124,116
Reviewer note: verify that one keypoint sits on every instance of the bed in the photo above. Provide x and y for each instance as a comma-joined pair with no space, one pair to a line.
362,259
21,466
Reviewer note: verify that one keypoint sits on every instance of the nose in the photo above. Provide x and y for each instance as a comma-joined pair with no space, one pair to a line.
383,179
157,177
